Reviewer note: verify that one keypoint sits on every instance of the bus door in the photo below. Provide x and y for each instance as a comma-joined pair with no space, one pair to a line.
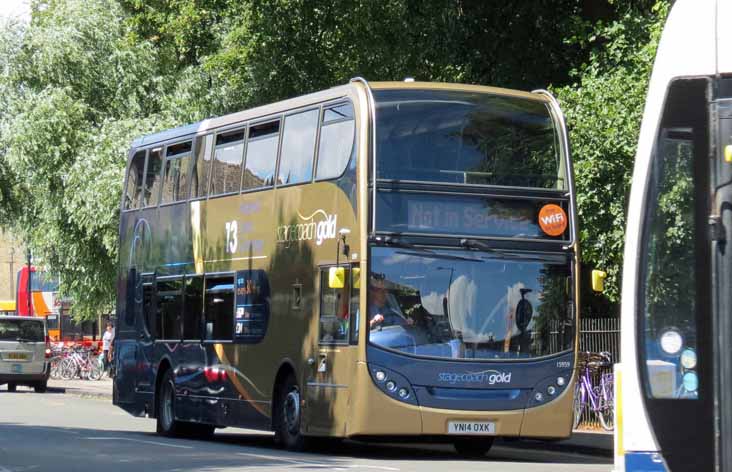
675,318
721,229
332,359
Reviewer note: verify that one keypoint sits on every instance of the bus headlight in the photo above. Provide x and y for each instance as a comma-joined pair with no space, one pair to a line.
380,375
691,381
551,390
391,385
560,381
403,393
538,396
688,359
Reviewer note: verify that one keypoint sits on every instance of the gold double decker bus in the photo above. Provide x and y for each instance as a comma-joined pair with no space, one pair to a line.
377,260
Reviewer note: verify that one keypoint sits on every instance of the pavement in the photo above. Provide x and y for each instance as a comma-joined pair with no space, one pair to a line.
591,441
101,389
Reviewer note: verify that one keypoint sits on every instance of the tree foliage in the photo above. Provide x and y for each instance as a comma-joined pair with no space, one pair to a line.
86,76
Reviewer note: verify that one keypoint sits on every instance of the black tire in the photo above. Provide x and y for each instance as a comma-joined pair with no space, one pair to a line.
41,387
473,447
288,415
167,425
12,387
197,430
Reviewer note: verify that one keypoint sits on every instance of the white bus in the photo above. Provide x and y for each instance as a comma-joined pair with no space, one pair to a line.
674,383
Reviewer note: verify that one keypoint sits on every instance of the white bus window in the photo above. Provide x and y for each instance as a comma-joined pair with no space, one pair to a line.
175,180
298,148
133,194
152,178
261,156
336,141
202,169
226,174
219,308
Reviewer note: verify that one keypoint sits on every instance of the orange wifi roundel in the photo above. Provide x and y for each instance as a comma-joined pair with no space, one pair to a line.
552,219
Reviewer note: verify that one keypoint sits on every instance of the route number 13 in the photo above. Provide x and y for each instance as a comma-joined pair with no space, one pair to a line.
232,228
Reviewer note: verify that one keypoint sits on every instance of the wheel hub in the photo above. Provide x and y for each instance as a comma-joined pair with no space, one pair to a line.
292,411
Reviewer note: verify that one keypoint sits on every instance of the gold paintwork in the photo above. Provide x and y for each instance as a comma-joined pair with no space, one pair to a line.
342,400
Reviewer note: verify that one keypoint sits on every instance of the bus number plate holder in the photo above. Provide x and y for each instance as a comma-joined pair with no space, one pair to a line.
477,428
17,368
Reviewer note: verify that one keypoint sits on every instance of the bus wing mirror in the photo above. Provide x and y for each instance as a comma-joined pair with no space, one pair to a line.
336,277
598,280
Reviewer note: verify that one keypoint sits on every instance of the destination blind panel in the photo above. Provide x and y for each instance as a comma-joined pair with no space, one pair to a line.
469,216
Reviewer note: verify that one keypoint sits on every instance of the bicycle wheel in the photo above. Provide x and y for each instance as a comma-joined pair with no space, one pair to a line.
56,368
68,369
578,404
95,372
606,411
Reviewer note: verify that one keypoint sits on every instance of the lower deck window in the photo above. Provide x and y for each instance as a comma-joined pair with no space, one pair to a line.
219,308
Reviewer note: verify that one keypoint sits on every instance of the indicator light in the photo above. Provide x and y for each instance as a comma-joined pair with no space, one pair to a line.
538,397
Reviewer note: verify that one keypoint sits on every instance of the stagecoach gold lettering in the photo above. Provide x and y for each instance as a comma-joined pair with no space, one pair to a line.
491,377
319,226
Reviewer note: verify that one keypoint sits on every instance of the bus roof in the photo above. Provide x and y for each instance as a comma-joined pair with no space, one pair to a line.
309,99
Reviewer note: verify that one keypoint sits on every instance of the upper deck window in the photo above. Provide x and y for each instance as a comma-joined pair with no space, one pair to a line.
202,169
152,178
261,157
298,148
175,182
336,141
464,137
226,175
133,194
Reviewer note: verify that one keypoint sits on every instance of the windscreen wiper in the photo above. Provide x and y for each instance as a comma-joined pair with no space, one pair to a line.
502,253
396,241
22,340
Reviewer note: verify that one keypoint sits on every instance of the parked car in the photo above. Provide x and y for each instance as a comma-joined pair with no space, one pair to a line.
24,352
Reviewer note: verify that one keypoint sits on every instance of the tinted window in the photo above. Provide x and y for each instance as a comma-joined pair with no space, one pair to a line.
219,308
133,193
336,141
148,307
335,307
29,330
467,138
485,306
152,178
202,169
226,174
261,155
175,182
298,148
170,296
193,307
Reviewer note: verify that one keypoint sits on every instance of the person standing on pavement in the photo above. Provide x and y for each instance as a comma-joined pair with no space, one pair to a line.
107,344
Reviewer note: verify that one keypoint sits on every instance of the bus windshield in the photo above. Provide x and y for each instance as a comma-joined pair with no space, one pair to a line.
474,305
464,137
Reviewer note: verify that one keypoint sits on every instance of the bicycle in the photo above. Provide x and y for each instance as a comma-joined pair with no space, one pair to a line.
82,365
599,398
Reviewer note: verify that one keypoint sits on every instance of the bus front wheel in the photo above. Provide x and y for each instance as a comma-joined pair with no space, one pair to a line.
289,415
473,447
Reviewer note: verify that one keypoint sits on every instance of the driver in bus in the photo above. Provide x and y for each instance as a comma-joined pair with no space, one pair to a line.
382,311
